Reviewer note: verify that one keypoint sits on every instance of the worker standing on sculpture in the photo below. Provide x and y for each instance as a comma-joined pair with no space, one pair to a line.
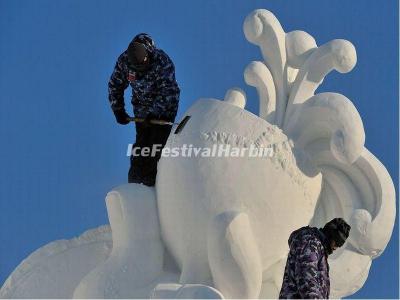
155,96
307,270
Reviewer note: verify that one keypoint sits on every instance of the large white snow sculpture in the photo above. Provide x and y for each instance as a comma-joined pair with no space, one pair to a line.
218,227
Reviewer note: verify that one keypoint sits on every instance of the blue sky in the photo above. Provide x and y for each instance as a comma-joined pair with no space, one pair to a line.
61,149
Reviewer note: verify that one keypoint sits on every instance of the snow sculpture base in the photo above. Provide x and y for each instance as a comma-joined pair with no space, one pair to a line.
138,266
137,255
54,270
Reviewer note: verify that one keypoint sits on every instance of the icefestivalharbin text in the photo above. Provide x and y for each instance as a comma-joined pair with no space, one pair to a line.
218,227
216,150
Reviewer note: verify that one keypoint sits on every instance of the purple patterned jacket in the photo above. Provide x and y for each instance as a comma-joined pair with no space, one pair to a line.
307,270
154,91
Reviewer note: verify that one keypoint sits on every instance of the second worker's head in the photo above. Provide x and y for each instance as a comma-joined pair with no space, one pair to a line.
337,231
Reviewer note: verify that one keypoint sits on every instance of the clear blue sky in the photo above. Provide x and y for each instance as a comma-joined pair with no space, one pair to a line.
61,150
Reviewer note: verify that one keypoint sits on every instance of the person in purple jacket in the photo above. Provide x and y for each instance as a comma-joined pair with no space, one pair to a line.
155,96
306,273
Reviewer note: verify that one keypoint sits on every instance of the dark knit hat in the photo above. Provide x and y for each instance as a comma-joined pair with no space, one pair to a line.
337,230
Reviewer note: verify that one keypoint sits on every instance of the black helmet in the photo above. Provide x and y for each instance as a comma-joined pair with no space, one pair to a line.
146,40
140,51
337,230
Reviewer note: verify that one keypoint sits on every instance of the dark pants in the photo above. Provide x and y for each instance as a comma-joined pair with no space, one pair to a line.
144,168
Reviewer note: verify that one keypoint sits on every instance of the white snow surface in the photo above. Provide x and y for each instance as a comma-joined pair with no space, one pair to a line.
54,270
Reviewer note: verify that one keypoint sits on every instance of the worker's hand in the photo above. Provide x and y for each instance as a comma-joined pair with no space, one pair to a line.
121,116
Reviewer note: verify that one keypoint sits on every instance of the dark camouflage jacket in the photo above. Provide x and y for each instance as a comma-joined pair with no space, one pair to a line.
307,270
154,91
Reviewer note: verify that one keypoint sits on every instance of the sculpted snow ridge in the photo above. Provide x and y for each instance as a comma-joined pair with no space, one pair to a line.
266,138
95,243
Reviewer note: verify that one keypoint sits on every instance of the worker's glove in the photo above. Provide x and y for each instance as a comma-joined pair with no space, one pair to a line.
121,116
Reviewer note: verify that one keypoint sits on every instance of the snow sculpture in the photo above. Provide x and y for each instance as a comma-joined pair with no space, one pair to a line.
218,227
54,270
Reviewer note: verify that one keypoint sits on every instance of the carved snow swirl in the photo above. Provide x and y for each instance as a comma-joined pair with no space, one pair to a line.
263,29
331,116
337,55
365,191
258,75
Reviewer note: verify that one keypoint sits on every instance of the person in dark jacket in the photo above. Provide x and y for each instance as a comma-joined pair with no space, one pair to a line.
155,96
306,273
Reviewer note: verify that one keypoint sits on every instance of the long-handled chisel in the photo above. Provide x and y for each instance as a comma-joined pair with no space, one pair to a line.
178,129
